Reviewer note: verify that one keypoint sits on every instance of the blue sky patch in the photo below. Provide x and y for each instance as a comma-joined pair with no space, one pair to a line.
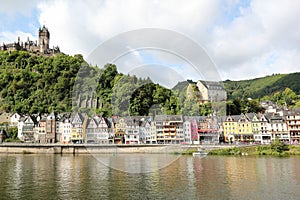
20,22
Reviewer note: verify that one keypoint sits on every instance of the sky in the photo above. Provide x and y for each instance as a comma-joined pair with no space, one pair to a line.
243,39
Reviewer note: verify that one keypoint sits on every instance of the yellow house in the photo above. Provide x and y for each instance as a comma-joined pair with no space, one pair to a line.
230,128
76,135
120,130
256,127
245,133
76,131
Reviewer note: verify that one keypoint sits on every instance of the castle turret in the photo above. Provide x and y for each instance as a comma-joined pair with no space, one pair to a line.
44,38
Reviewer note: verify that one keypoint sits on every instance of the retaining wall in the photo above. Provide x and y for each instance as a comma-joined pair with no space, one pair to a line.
13,148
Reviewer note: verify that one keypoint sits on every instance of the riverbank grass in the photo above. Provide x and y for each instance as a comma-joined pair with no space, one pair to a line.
276,148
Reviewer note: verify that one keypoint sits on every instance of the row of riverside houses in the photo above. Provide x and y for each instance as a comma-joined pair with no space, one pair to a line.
160,129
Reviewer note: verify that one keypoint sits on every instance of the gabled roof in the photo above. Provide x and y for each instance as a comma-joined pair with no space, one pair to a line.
261,116
28,118
235,118
250,116
243,118
145,121
77,116
106,121
212,84
16,114
63,116
91,120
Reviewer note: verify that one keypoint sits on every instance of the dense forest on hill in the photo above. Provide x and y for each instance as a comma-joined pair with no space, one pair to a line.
31,83
36,84
244,96
261,87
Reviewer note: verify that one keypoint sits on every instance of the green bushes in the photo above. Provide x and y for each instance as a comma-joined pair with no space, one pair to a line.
279,146
276,148
12,140
226,151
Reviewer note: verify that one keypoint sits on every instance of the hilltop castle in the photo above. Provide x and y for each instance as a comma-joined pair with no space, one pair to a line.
41,46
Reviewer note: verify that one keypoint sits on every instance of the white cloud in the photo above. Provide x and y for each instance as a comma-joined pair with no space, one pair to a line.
243,48
162,67
245,40
17,6
10,37
86,24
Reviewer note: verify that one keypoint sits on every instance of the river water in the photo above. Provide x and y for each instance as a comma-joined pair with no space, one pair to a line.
156,177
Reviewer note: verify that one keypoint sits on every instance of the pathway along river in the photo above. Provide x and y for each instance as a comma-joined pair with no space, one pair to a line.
85,177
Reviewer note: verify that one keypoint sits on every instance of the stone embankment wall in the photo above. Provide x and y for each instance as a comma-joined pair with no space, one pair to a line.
13,148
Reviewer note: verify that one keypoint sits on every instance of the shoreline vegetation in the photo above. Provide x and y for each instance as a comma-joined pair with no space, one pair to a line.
276,148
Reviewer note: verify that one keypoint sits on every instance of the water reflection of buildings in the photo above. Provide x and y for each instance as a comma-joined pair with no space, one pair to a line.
210,177
14,172
242,174
187,177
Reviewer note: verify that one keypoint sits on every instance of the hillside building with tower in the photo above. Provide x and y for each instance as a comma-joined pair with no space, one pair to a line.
41,46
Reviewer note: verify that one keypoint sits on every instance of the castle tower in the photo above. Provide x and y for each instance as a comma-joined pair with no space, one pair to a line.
44,38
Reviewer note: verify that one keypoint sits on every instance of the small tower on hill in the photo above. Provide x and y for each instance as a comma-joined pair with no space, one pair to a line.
44,38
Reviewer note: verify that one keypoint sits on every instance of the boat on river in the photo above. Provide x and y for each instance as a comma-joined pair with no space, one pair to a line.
200,153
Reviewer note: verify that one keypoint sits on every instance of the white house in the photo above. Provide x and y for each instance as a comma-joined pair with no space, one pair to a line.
14,119
265,133
187,132
104,131
132,131
153,139
65,129
278,128
145,131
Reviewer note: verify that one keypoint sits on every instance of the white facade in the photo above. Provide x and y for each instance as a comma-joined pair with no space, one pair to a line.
132,134
20,130
104,133
187,132
153,139
145,132
264,130
14,119
65,130
278,129
179,132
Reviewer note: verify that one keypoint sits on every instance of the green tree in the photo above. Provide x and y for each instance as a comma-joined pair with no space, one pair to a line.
206,109
289,97
233,107
279,146
12,132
